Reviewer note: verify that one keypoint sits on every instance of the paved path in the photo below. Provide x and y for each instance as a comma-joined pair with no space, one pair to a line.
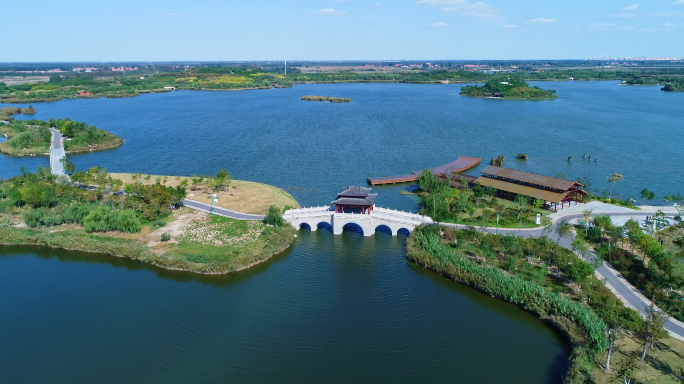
621,287
57,153
221,211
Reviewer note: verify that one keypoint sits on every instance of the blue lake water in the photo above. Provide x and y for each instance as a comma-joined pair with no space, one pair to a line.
332,308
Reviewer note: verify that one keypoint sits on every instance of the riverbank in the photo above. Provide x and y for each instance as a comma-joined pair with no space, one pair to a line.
549,281
197,243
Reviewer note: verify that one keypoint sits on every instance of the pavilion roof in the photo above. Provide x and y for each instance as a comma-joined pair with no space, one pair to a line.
356,201
528,178
542,194
354,191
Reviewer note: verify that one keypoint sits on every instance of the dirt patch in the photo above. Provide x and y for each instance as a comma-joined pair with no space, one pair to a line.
242,196
176,228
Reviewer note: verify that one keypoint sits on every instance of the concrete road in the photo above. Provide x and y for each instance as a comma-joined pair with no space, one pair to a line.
221,211
621,287
57,153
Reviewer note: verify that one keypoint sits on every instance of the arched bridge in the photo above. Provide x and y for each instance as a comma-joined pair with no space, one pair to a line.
379,219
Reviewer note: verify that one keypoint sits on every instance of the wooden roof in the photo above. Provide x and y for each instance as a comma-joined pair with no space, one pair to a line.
360,202
542,194
354,191
529,178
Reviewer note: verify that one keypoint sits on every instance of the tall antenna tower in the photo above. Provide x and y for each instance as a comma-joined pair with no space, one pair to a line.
285,67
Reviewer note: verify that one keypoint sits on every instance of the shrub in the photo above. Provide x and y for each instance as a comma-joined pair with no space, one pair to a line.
273,217
165,237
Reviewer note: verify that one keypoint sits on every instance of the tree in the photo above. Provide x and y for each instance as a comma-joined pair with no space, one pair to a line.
613,335
627,371
68,165
652,329
563,229
478,193
273,217
613,179
647,195
523,202
679,373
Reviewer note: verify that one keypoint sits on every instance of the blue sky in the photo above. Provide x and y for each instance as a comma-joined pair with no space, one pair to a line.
76,30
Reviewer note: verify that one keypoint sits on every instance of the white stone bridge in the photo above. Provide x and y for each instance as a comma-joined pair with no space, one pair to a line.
378,219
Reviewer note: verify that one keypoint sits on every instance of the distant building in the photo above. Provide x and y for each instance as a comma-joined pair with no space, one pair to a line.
83,93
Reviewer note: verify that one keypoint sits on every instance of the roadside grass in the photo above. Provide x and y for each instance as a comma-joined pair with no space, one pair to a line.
658,367
241,196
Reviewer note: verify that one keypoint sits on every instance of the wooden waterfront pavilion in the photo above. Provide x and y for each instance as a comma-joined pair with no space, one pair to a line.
551,190
355,199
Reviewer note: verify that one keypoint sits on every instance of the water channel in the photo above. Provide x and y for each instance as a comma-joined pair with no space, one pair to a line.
331,308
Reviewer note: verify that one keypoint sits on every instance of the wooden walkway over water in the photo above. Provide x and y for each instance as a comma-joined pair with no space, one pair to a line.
458,165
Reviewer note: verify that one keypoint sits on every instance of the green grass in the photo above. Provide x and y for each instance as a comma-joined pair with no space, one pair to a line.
187,256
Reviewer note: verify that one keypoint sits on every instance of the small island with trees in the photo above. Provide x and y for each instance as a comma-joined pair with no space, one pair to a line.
33,137
326,98
510,88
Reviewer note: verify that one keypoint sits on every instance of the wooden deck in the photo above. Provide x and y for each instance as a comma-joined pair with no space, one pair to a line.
459,165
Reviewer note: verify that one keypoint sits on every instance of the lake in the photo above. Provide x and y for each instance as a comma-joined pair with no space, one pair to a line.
331,308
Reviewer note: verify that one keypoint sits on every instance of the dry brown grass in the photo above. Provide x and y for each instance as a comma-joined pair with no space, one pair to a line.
658,367
241,196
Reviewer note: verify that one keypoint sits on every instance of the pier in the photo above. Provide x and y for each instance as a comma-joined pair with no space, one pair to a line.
459,165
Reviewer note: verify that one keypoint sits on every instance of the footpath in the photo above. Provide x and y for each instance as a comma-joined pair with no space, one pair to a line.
625,291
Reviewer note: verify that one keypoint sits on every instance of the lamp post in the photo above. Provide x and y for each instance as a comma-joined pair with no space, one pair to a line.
211,209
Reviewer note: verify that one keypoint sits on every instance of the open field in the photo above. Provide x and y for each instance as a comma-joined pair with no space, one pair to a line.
241,196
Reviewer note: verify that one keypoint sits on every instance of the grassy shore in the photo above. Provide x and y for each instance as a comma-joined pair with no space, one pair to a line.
198,243
552,282
241,196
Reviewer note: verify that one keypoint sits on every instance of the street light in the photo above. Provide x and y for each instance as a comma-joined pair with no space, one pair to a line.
211,208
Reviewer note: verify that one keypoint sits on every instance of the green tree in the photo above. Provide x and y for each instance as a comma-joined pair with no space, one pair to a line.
647,195
68,165
614,179
627,370
652,329
563,229
273,217
522,203
613,335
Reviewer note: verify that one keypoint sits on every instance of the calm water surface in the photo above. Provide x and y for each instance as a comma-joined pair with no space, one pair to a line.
312,149
332,308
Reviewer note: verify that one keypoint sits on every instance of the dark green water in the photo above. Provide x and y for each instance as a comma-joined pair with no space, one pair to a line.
331,309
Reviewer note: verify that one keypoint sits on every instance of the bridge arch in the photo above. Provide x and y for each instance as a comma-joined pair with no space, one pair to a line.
382,228
353,227
305,226
324,225
404,231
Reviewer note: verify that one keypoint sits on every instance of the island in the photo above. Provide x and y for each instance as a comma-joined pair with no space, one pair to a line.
33,137
511,88
144,217
674,85
326,98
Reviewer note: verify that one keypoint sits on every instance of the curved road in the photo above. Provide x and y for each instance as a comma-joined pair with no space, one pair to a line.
621,287
221,211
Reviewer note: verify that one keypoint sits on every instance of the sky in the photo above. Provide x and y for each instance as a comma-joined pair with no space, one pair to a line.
230,30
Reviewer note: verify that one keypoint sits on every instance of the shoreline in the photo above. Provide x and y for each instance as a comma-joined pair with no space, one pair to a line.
127,248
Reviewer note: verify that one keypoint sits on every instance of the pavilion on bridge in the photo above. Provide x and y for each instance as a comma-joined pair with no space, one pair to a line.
355,200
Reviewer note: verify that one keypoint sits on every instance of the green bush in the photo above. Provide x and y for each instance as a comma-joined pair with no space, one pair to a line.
103,218
165,237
